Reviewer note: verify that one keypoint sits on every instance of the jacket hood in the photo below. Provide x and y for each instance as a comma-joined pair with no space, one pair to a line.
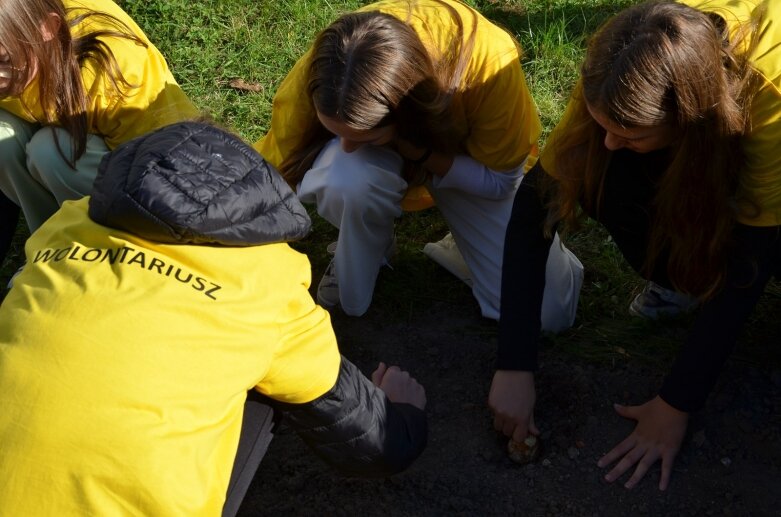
193,183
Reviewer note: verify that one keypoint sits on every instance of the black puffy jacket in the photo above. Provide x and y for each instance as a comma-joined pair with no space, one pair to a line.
192,183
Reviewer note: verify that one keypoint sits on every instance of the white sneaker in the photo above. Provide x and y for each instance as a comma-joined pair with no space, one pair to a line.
446,253
655,301
328,288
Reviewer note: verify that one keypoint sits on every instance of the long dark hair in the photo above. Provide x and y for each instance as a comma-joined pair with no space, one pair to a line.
654,64
370,70
58,61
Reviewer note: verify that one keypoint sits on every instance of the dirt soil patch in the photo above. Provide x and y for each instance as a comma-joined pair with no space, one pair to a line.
730,463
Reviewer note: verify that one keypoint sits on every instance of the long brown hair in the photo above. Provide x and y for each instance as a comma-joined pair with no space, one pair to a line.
654,64
58,61
370,70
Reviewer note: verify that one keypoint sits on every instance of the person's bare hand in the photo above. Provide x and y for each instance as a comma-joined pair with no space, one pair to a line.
399,386
511,399
658,435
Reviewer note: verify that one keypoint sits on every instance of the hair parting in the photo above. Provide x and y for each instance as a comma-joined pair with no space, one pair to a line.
369,70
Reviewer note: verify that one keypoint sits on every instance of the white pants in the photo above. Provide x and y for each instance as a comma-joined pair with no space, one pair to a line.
360,193
33,173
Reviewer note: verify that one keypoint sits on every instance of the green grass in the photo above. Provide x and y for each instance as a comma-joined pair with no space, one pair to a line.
553,35
210,42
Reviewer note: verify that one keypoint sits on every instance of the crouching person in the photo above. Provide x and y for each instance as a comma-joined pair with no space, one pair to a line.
145,314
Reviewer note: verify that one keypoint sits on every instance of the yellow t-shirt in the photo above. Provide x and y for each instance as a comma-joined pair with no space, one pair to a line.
760,178
153,101
124,366
494,111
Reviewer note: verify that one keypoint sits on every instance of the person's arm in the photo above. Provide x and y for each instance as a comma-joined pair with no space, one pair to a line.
360,428
720,320
469,175
462,172
526,251
662,421
356,426
512,395
500,120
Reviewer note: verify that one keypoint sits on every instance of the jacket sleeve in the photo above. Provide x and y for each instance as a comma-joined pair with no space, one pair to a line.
356,429
523,278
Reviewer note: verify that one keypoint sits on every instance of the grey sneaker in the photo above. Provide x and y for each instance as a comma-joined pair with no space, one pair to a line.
328,288
655,301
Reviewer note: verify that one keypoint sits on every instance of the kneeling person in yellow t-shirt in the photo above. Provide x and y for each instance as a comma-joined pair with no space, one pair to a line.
144,315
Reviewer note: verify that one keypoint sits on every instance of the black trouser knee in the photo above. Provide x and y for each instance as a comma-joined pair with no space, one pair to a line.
257,430
627,207
9,219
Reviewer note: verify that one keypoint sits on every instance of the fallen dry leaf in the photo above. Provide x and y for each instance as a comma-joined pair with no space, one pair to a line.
244,86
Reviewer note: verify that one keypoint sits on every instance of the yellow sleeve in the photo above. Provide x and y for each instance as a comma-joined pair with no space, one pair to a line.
153,100
292,114
502,118
760,179
306,361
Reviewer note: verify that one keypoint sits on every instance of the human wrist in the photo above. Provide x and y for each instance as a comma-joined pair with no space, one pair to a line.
673,405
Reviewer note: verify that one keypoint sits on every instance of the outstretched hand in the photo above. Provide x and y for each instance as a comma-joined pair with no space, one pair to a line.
658,435
399,386
511,399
